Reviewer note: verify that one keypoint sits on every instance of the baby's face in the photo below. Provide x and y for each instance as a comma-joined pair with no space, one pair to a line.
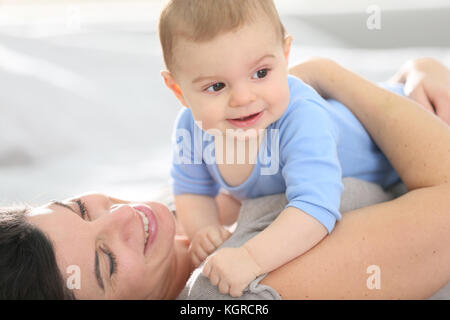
238,80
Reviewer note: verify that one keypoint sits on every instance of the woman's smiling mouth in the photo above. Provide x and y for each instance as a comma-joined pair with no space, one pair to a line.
149,223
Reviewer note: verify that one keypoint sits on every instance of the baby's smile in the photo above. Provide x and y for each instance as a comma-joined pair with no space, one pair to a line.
246,121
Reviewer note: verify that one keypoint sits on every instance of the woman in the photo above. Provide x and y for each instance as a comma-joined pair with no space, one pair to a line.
107,255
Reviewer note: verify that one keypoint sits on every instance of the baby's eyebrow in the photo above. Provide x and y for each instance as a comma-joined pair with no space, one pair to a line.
262,58
199,79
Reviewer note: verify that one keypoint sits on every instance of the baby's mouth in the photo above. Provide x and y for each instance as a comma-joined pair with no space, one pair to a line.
246,121
246,118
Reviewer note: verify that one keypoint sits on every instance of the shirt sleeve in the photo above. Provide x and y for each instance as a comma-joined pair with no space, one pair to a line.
189,172
310,164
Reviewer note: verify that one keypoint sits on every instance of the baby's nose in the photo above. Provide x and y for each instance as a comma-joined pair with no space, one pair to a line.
241,96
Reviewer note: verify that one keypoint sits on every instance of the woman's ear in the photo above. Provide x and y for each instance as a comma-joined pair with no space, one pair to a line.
287,47
174,87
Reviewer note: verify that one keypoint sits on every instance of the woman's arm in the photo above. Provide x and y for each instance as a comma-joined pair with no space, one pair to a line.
406,240
426,81
415,142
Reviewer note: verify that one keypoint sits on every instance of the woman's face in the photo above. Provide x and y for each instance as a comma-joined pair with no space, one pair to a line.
104,239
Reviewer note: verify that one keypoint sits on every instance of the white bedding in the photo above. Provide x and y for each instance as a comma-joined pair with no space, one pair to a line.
89,111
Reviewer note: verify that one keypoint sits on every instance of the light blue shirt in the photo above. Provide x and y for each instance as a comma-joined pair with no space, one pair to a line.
305,154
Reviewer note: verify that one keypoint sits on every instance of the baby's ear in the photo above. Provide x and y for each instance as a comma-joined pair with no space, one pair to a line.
169,80
287,47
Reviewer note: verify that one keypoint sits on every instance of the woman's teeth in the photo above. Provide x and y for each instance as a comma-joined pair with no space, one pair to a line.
144,218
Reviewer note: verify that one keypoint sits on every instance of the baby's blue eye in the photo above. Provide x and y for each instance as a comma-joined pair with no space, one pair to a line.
216,87
261,74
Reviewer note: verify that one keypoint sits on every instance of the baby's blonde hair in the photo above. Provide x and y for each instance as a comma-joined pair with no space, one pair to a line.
202,20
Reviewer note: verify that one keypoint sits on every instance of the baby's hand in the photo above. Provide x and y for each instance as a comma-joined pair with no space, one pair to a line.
231,269
205,241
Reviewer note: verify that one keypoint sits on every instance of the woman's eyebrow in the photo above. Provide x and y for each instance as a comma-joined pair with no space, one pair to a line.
77,201
58,203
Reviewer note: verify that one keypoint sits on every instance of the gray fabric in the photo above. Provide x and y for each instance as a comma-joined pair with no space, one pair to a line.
257,214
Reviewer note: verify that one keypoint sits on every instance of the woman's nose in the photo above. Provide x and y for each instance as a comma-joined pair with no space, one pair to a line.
121,221
241,96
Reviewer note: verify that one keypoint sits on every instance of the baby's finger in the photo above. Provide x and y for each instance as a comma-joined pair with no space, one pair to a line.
207,246
195,259
235,292
215,238
225,234
223,286
207,269
214,277
200,252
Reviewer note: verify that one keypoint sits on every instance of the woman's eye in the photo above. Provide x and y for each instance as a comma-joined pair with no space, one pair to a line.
82,207
216,87
260,73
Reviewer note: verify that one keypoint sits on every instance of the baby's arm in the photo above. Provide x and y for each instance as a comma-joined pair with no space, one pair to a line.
293,233
196,212
229,208
199,216
194,191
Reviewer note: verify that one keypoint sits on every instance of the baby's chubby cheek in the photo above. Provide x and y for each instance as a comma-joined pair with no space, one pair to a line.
206,124
209,121
279,101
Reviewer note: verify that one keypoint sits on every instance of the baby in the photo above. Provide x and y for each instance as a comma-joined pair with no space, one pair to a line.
250,129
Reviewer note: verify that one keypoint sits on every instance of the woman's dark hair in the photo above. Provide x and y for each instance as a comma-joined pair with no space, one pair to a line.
28,267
